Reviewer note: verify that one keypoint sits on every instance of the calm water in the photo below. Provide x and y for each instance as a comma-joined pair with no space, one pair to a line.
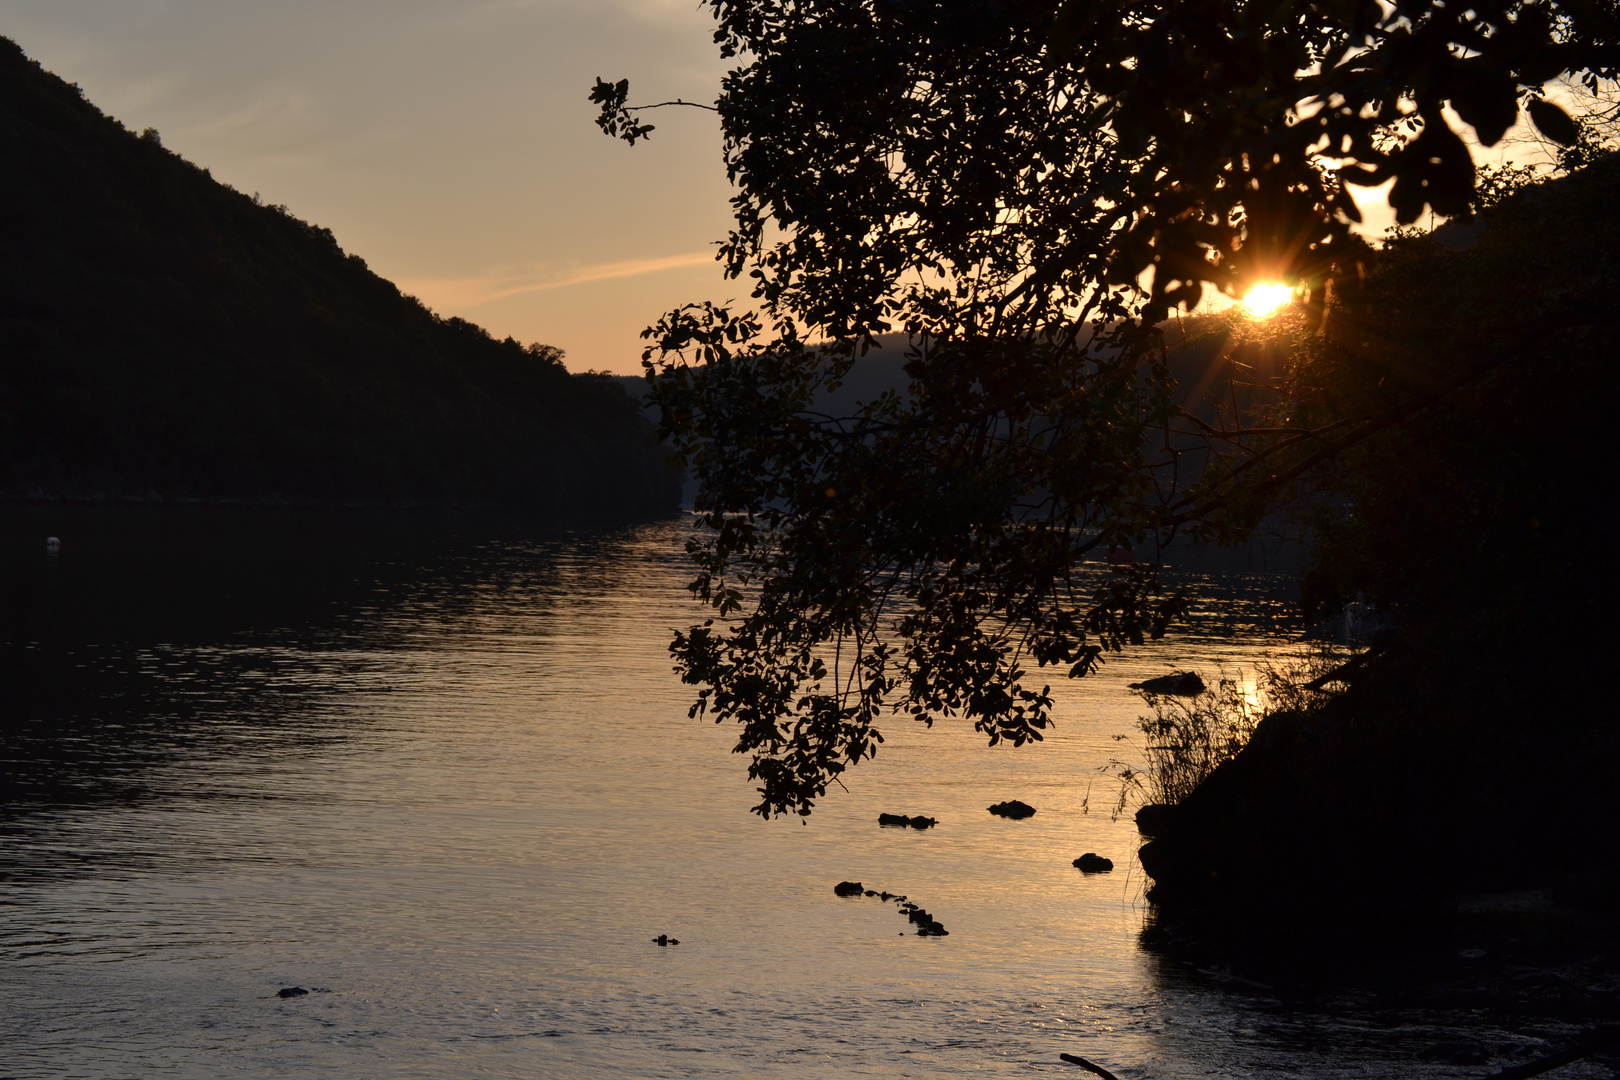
440,772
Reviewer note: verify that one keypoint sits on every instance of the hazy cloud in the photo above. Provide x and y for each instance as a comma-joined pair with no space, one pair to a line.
468,292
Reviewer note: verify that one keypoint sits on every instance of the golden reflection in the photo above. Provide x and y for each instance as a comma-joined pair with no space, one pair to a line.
1264,299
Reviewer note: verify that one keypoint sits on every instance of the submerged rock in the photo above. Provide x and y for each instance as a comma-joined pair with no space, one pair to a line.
927,925
1013,809
291,991
1092,863
905,822
1176,684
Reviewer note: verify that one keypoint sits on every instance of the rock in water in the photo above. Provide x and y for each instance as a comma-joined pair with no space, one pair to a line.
1013,809
849,888
927,925
1176,684
291,991
1092,863
904,822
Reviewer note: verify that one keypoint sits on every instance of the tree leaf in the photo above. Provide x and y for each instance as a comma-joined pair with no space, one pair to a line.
1487,101
1553,122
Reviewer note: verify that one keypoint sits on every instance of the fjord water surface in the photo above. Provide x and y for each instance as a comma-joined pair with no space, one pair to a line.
439,772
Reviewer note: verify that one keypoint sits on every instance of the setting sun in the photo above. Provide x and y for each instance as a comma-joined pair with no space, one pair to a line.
1264,299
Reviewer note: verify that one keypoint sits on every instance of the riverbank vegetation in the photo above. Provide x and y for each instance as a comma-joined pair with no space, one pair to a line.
167,339
1190,735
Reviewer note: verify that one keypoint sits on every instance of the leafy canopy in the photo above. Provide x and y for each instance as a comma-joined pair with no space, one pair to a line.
1026,189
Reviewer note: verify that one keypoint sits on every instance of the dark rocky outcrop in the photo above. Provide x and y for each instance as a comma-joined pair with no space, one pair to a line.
1154,818
1013,809
1092,863
291,992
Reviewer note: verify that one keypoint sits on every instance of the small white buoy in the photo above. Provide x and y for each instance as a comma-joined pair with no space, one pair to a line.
53,544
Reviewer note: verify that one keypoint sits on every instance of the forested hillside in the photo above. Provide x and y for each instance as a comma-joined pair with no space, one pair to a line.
164,337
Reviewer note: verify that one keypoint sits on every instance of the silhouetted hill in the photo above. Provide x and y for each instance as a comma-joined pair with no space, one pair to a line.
165,337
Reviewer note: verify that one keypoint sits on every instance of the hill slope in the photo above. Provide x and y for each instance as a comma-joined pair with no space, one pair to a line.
165,337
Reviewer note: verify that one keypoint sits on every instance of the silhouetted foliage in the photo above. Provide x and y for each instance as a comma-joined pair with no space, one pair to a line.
165,337
1027,189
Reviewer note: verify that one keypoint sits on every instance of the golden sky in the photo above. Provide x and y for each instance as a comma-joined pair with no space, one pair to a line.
447,142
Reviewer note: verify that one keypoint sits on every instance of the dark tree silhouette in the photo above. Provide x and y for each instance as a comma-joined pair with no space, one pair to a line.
1027,190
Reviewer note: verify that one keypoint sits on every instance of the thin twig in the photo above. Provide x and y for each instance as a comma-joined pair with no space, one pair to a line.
677,101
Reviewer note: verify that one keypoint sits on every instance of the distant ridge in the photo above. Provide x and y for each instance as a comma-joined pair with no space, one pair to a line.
166,338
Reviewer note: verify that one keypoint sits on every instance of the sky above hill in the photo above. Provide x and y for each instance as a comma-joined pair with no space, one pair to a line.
447,142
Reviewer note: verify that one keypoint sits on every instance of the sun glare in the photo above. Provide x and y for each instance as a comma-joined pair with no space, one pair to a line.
1264,299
